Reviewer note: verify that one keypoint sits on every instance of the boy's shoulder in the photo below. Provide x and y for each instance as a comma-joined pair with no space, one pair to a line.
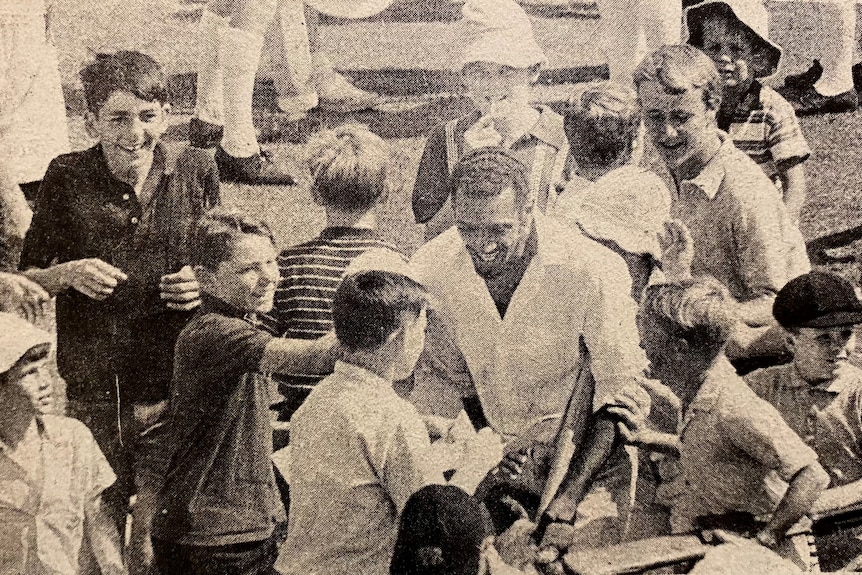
85,161
69,430
774,103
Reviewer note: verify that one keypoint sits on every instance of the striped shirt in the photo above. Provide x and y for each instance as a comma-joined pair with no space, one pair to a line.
765,127
310,274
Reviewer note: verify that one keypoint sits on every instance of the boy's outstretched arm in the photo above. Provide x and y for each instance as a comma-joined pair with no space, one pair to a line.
793,183
301,355
104,538
802,492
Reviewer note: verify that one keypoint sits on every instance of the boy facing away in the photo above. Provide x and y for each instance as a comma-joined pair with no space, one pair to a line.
358,450
348,167
819,394
734,34
52,472
109,238
498,68
730,442
219,504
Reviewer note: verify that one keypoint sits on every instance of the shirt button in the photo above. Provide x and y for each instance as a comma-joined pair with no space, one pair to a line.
126,197
134,220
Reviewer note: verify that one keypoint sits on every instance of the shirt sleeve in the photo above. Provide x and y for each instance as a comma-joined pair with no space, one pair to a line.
762,251
756,428
842,447
45,239
610,333
99,472
785,138
441,377
431,188
409,465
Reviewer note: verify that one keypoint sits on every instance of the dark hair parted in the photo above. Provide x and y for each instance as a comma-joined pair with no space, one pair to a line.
368,305
217,232
488,171
126,71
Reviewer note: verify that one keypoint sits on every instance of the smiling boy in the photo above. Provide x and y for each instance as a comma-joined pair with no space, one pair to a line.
109,239
739,225
219,503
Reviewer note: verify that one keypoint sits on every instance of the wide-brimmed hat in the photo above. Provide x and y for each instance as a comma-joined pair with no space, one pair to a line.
628,207
17,337
817,299
500,32
750,13
441,532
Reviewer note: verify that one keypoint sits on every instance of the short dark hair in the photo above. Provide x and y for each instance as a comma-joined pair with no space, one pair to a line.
602,123
487,171
126,71
368,305
698,310
216,233
348,167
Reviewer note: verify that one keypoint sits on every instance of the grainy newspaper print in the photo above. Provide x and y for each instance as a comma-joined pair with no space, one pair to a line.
479,287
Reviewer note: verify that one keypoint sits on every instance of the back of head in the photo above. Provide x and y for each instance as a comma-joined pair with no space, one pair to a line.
441,533
487,172
602,123
217,231
679,68
698,310
348,167
124,71
367,307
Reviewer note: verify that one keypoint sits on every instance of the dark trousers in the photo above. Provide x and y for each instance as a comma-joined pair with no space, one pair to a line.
255,558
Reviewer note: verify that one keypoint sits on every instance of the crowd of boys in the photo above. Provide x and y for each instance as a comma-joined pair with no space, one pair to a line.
567,348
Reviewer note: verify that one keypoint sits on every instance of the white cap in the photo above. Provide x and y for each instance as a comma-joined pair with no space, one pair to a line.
384,260
501,33
17,337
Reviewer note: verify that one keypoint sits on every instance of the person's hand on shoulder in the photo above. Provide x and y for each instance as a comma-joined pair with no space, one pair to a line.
22,296
180,291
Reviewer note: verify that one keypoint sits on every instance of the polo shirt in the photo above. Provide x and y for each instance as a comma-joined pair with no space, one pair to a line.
765,127
310,274
219,487
44,503
82,211
739,225
543,151
828,417
732,442
570,323
358,452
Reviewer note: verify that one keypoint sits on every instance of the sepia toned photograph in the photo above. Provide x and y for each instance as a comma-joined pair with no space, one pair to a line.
430,287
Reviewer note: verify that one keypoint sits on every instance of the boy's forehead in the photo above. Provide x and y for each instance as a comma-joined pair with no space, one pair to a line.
251,248
652,94
125,102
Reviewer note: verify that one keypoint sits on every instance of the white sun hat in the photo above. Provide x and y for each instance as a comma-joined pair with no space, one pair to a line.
17,337
499,31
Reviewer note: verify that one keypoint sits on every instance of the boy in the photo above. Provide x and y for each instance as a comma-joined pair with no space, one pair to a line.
739,225
109,239
358,450
219,503
348,165
52,473
610,199
759,121
730,442
819,394
498,69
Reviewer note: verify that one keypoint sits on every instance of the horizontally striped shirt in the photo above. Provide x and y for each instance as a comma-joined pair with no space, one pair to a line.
765,127
310,274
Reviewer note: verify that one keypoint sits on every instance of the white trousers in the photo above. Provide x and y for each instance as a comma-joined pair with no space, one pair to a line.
631,29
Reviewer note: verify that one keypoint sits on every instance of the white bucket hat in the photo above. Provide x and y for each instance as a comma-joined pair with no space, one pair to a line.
751,13
352,9
17,337
501,33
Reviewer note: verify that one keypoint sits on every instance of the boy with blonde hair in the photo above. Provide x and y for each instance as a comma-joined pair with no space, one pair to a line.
734,34
498,68
348,168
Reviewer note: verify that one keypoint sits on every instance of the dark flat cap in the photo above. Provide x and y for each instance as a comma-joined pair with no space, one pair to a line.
817,299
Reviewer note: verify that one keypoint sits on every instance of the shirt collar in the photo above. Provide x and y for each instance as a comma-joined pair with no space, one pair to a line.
340,233
212,304
356,373
42,426
710,178
833,386
160,162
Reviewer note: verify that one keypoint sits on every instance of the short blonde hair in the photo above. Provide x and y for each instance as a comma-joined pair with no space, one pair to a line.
348,167
679,68
602,122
